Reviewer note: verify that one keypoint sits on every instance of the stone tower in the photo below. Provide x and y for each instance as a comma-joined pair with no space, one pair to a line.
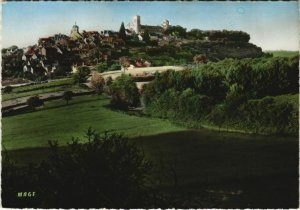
165,24
136,24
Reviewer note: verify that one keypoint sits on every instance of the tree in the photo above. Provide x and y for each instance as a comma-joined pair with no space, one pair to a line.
124,92
124,62
196,34
97,82
122,33
200,59
177,31
146,36
34,101
67,96
81,75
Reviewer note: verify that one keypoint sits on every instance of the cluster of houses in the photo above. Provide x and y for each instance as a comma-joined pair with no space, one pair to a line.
58,53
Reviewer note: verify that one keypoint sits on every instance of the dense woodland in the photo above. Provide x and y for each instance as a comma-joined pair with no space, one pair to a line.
244,94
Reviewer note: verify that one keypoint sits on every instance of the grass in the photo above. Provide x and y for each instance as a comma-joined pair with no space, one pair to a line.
283,53
56,120
264,169
54,86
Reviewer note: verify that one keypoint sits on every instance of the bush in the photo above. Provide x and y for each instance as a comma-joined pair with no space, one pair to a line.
267,114
8,89
34,101
106,171
81,75
98,83
102,67
124,92
115,67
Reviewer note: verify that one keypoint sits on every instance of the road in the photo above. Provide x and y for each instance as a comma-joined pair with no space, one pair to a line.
142,71
113,74
139,72
44,96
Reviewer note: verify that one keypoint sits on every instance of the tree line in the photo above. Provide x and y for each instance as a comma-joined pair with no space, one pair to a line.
239,93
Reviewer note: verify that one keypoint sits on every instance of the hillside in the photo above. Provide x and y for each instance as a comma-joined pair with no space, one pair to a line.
216,50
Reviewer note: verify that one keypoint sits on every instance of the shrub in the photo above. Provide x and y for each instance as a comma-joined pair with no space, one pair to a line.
81,75
7,89
102,67
124,92
97,82
114,67
34,101
106,171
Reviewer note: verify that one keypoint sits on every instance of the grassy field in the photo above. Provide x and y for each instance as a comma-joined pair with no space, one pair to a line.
56,120
239,170
263,169
282,53
54,86
233,170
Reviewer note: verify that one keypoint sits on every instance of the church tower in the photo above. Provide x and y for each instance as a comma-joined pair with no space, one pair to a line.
165,24
136,24
75,29
75,32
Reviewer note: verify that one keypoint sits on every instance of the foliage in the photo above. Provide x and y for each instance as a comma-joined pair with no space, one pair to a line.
124,92
196,34
237,36
108,168
67,96
102,67
122,33
34,101
200,59
146,36
225,90
114,67
97,82
267,113
176,31
81,75
8,89
124,62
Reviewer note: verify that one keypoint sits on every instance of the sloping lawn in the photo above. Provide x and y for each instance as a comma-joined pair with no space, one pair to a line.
56,120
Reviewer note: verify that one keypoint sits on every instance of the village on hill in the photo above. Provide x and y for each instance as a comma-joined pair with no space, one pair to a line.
149,116
142,45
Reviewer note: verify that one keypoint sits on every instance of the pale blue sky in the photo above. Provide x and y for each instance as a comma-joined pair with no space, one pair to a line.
271,25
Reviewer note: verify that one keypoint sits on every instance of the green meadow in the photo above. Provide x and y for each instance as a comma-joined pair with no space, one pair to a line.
243,170
58,121
283,53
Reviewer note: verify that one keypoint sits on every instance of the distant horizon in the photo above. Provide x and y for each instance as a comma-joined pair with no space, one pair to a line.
273,26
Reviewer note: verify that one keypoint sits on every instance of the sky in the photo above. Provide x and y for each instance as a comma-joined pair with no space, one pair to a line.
271,25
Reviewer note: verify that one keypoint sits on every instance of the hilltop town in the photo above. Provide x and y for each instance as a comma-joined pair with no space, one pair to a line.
149,116
143,45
